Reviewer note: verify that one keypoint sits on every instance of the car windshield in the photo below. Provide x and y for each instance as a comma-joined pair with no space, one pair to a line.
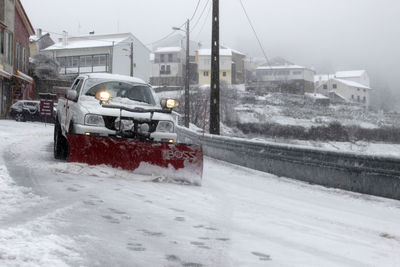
133,91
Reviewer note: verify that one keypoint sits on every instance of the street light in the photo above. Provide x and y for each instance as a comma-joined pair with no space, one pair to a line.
187,106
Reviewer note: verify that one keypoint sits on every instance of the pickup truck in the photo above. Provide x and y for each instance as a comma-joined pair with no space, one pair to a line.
115,106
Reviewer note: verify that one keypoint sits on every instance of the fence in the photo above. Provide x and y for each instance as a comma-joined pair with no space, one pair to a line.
374,175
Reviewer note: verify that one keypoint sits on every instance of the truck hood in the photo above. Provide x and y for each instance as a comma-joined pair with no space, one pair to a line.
93,107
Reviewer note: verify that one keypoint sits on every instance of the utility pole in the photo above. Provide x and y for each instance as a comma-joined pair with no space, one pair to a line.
214,90
187,77
131,57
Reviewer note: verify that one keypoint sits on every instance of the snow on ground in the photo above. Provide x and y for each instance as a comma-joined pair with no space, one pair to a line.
69,214
27,242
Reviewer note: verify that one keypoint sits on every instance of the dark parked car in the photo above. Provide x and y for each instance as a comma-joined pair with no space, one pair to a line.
24,110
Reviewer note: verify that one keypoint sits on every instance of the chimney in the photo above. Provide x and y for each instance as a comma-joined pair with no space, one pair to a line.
65,38
38,33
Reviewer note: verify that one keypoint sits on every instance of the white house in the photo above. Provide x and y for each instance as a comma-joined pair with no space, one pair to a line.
350,86
167,66
120,53
346,90
290,78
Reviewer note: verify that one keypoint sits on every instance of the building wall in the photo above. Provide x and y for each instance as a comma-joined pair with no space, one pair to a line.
297,81
141,58
60,53
21,36
206,79
122,62
285,74
9,20
177,67
239,76
119,61
204,66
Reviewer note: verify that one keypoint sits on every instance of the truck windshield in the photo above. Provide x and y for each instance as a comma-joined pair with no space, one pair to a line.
133,91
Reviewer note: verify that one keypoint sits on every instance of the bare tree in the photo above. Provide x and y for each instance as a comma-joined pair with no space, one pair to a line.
44,67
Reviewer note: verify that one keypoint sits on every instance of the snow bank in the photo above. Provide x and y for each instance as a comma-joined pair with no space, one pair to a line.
28,242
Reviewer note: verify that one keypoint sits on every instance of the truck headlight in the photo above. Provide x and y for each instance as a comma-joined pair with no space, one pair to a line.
165,127
94,120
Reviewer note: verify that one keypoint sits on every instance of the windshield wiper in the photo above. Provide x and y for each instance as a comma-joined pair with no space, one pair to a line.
138,100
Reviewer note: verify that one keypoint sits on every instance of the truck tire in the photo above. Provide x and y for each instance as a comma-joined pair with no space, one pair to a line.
60,143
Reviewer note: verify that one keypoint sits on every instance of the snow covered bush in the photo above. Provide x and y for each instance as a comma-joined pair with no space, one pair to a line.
44,67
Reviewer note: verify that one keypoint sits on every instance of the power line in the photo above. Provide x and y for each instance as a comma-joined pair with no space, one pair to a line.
201,15
171,33
205,22
255,33
197,7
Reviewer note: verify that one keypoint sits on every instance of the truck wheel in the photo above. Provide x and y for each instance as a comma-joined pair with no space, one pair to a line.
60,143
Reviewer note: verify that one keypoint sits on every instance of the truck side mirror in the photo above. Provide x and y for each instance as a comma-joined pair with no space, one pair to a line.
72,95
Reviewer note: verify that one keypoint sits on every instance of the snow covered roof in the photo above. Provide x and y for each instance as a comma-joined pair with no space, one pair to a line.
322,77
168,49
118,77
280,67
233,51
222,52
337,95
89,41
349,74
35,38
352,84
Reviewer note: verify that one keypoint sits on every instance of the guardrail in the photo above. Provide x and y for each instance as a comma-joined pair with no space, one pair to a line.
374,175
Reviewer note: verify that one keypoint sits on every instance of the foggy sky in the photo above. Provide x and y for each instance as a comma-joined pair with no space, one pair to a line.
328,35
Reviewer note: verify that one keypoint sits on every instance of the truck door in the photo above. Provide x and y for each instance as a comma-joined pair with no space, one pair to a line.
70,106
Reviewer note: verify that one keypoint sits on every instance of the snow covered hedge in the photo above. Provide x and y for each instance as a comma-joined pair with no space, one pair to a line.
332,132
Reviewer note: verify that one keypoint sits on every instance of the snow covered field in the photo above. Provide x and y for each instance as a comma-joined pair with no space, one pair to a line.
54,213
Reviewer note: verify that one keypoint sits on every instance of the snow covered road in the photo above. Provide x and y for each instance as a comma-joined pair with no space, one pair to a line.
54,213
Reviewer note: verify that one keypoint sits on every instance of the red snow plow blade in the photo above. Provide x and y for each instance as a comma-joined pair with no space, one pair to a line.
173,161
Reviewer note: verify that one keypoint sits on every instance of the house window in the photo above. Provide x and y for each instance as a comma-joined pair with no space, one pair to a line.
364,99
352,96
358,98
169,57
325,86
296,72
24,59
224,74
18,56
364,90
162,70
205,74
168,70
334,86
162,59
1,41
358,89
8,42
100,60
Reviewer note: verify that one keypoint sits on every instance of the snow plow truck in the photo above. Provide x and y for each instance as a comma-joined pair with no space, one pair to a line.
118,121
